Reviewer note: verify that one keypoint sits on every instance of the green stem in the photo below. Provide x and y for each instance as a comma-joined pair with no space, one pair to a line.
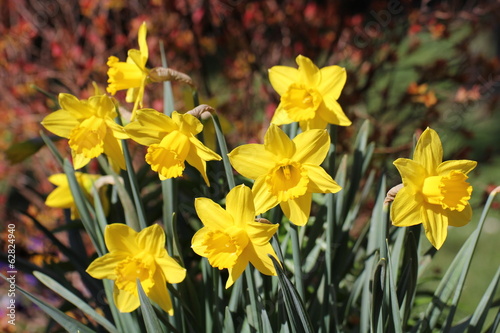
297,260
253,298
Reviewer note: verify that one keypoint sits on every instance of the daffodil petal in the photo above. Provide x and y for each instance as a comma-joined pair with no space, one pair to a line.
280,116
198,242
261,233
259,258
120,237
60,123
61,178
152,240
104,267
239,203
333,79
429,151
198,163
464,166
75,107
278,143
435,224
412,173
143,46
316,123
281,77
212,215
298,210
320,181
79,160
149,127
60,197
331,112
112,148
203,151
172,271
236,270
405,209
125,301
311,146
263,198
252,160
137,58
118,131
308,71
159,293
459,219
190,124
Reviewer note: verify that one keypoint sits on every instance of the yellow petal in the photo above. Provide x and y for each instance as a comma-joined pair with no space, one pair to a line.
278,143
259,258
104,267
150,127
120,237
138,59
280,116
309,73
263,198
298,210
118,131
60,197
331,112
187,123
239,203
60,123
79,160
315,123
252,160
333,79
459,219
464,166
412,173
198,241
102,106
159,293
125,301
282,77
112,148
311,147
435,224
212,215
143,46
236,270
405,209
198,163
320,181
152,239
429,151
172,271
79,109
260,233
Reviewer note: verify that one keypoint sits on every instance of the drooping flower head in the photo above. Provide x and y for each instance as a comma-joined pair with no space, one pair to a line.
90,127
61,197
434,193
231,238
132,74
308,94
137,256
286,172
171,142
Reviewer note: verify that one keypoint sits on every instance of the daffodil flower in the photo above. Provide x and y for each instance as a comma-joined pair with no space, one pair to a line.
434,193
171,142
61,196
286,172
90,127
308,94
137,256
231,238
132,74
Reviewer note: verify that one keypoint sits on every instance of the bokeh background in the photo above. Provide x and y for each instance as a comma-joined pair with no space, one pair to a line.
410,64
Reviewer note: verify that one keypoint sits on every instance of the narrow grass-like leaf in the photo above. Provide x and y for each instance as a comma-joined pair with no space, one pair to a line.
150,320
479,317
391,283
297,314
68,323
378,298
228,322
75,300
52,147
297,260
223,151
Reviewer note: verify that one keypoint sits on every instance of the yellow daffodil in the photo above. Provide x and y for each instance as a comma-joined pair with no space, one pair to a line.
171,141
434,192
232,238
286,172
132,74
308,94
90,127
61,197
137,256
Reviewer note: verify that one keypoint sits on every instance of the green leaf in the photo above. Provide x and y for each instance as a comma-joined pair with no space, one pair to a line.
228,322
300,321
68,323
479,316
72,298
150,320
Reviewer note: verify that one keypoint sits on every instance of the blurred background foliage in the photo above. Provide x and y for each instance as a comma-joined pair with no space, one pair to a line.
410,64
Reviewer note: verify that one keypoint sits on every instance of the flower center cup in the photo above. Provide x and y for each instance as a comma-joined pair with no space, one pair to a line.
288,180
123,75
167,158
451,191
224,247
131,269
301,102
